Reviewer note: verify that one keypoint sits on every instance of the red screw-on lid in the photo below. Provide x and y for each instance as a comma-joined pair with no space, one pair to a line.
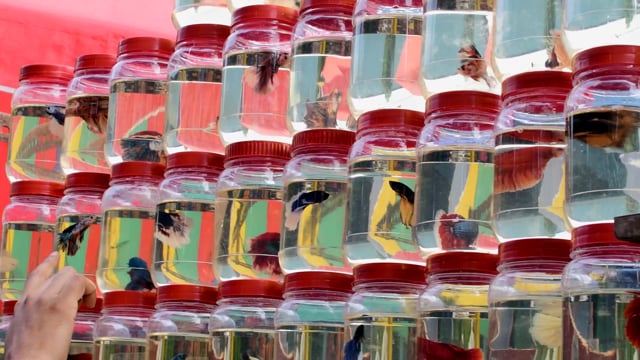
149,45
257,149
536,80
137,168
190,159
130,298
318,280
389,272
211,32
36,187
594,235
462,261
322,140
250,288
46,71
98,181
282,14
462,100
315,4
8,306
399,118
617,55
95,61
97,308
535,250
188,293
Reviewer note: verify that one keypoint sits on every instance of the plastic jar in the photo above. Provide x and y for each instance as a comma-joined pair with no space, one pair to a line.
79,222
249,210
315,196
137,100
28,230
81,346
7,316
321,66
179,328
603,116
37,126
525,300
185,215
128,221
255,87
453,310
455,172
456,52
382,175
600,289
85,123
528,182
195,84
310,321
242,326
121,331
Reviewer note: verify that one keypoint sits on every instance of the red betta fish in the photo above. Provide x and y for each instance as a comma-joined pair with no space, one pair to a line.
522,169
262,76
473,66
264,249
632,328
143,146
453,232
433,350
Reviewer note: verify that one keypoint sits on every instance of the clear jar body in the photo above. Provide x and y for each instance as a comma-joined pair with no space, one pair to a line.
254,100
244,328
85,123
126,245
82,336
189,12
455,169
4,326
137,100
312,234
121,332
193,98
28,231
36,137
248,221
185,215
603,118
320,71
456,52
528,188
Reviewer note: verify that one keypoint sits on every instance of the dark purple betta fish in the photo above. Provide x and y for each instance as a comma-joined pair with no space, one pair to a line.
140,275
55,114
69,239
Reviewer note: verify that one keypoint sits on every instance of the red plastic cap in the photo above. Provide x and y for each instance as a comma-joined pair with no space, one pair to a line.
536,80
35,187
96,309
46,71
462,261
149,45
594,235
617,55
197,159
137,168
250,288
8,307
462,100
535,250
389,272
257,149
212,32
188,293
323,140
95,61
398,118
283,15
315,4
97,181
130,298
318,280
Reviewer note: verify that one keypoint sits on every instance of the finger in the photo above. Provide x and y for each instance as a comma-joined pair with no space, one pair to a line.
39,276
63,291
90,292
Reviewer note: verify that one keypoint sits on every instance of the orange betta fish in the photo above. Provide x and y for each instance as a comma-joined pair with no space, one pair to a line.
632,328
406,202
433,350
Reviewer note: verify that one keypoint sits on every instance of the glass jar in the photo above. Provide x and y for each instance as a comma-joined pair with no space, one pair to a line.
191,12
37,126
85,123
380,317
128,220
603,117
81,346
528,182
242,326
28,230
255,86
321,66
382,175
7,316
185,214
457,49
453,311
121,331
79,222
249,210
525,300
600,289
195,84
455,173
137,100
387,38
315,196
179,328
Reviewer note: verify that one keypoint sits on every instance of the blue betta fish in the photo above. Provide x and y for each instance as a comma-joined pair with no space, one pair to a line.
300,203
353,347
179,356
139,274
56,114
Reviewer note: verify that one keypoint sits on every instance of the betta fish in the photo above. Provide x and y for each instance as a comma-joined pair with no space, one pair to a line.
473,66
55,114
454,232
93,111
264,248
546,327
140,275
180,356
353,347
262,76
433,350
522,169
245,356
143,146
632,328
70,238
406,202
610,128
558,56
323,112
172,228
83,356
301,202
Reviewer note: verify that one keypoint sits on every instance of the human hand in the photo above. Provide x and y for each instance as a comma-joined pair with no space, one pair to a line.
43,321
